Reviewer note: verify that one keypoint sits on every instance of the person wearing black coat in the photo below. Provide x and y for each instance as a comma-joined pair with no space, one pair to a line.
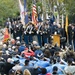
70,34
7,67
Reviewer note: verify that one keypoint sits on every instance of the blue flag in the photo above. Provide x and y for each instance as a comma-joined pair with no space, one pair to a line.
26,14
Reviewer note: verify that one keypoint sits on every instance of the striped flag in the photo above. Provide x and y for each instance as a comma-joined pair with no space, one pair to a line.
34,15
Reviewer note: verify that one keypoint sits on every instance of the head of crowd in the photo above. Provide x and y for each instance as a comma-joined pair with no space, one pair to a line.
18,57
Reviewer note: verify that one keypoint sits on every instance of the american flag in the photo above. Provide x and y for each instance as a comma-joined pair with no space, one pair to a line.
34,15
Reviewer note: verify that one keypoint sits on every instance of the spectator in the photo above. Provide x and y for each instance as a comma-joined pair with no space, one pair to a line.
8,65
47,53
39,53
12,72
21,48
26,72
59,65
55,69
33,70
43,71
17,65
28,53
18,72
70,70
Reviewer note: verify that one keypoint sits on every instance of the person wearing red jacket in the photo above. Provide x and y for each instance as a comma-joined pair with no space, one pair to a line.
28,53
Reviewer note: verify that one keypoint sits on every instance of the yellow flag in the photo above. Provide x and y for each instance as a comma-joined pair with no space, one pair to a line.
6,36
66,23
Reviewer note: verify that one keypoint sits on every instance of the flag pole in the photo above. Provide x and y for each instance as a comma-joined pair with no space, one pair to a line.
24,10
66,26
66,23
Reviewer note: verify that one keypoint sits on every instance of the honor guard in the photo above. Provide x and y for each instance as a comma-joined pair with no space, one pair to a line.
14,30
38,32
54,28
21,30
46,34
31,27
28,33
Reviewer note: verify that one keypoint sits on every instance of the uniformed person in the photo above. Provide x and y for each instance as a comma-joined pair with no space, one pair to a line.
26,37
38,32
54,28
21,30
28,33
46,34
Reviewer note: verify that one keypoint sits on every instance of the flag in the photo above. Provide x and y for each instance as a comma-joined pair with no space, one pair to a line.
34,15
6,35
26,20
66,23
21,12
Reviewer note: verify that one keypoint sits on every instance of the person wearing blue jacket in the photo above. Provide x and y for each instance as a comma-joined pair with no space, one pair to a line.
22,47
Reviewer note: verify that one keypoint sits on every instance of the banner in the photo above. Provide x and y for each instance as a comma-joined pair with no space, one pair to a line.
21,12
26,20
6,36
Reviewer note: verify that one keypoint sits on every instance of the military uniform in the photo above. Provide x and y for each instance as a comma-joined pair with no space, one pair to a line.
38,33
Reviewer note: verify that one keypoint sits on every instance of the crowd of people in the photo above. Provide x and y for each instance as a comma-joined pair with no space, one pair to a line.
30,50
